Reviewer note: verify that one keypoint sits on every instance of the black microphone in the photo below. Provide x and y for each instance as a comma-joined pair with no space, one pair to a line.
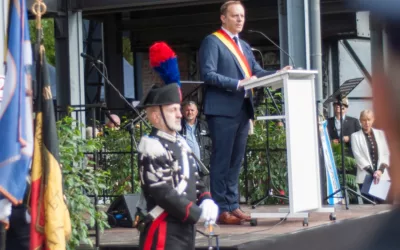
276,45
90,58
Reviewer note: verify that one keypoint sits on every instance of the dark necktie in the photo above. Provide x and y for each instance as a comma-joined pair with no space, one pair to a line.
236,40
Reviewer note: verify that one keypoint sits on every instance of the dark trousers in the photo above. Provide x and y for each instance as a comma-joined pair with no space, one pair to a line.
18,234
229,137
169,236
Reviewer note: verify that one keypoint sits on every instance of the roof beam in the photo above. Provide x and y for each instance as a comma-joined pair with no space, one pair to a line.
201,19
332,26
108,6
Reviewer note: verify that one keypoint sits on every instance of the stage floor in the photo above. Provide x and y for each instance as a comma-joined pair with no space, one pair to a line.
233,236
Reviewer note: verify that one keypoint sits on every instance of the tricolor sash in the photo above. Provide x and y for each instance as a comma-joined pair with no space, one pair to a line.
235,50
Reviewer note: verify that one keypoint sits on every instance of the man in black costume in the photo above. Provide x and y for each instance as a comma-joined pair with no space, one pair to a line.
175,196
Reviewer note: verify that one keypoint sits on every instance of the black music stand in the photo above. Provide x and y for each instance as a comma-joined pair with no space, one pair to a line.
337,97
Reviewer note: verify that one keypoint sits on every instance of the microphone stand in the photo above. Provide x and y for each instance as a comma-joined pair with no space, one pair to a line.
119,93
270,186
270,191
276,45
268,91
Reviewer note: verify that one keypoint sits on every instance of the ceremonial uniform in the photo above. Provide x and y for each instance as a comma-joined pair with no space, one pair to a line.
175,196
165,167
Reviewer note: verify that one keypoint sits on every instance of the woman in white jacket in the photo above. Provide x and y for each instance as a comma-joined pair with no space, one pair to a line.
370,150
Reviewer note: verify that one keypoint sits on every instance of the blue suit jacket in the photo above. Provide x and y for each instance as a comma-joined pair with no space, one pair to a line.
221,72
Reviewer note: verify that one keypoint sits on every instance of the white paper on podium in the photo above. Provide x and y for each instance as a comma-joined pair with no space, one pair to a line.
380,190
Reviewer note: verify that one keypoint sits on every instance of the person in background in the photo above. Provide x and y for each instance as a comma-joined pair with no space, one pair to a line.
350,126
89,132
18,233
113,121
196,133
386,103
370,151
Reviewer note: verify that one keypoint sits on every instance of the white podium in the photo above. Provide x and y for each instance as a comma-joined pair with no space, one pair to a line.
300,115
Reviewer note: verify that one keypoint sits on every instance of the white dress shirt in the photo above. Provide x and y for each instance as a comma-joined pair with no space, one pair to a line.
337,124
232,36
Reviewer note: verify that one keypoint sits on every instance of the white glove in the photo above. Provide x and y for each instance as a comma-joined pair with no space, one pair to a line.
5,209
209,210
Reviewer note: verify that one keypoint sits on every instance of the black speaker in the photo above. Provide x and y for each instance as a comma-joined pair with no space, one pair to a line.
122,210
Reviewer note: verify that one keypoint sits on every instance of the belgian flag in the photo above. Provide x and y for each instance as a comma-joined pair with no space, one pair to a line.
50,225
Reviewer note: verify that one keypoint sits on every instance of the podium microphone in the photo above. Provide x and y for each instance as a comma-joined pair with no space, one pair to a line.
90,58
276,45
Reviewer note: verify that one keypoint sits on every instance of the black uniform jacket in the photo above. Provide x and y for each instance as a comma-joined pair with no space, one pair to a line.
169,177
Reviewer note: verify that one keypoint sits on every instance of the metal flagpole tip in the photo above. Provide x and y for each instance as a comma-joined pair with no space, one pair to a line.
39,8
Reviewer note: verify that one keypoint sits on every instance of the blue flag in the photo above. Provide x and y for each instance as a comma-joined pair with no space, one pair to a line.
332,178
16,124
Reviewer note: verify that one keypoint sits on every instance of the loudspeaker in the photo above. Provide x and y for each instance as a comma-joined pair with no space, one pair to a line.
122,210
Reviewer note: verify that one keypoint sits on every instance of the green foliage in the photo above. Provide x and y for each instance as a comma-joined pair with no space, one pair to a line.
257,171
118,160
48,38
349,164
80,180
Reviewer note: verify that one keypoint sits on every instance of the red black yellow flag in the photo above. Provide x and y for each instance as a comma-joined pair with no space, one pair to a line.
50,225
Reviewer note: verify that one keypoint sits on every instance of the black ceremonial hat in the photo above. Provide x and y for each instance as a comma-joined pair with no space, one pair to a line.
158,96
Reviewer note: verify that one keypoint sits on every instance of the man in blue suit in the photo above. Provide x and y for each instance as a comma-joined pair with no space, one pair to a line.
227,62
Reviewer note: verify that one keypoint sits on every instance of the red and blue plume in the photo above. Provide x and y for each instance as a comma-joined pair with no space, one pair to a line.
164,61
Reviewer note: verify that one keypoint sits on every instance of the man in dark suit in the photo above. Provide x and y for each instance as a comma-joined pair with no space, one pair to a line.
350,125
226,63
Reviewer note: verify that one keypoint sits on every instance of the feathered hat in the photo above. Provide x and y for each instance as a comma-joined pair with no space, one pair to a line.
164,61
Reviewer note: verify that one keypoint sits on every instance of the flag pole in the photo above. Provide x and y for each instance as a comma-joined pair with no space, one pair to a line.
39,8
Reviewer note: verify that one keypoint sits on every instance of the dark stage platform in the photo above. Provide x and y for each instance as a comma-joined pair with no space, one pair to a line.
350,228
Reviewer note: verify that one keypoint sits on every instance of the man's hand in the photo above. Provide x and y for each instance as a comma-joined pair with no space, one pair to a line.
346,138
335,141
285,68
243,82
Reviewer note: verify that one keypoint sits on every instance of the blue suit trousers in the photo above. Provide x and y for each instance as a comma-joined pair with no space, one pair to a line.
229,137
